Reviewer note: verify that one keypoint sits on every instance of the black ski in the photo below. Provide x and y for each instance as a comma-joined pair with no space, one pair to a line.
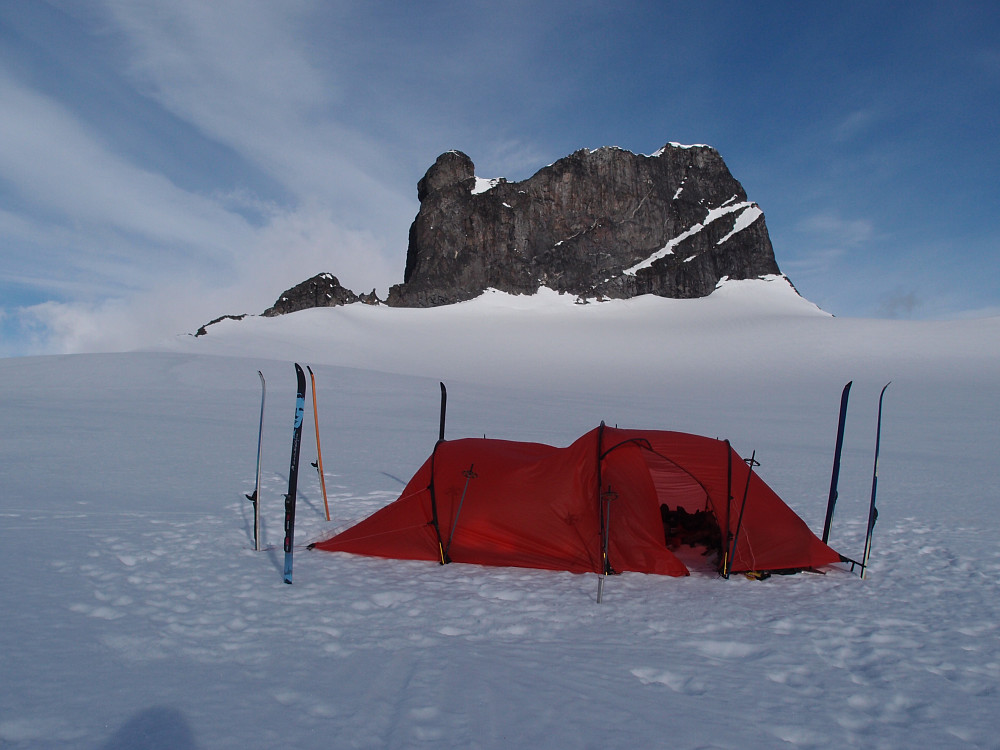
293,470
255,497
832,502
872,510
444,409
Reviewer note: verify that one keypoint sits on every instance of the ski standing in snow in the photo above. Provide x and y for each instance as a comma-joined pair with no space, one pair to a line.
293,470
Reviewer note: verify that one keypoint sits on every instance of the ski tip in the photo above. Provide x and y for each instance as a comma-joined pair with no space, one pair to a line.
288,579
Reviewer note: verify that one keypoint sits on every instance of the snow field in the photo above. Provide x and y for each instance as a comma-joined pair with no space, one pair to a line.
135,612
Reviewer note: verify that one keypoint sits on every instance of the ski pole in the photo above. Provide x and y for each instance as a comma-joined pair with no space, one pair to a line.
319,450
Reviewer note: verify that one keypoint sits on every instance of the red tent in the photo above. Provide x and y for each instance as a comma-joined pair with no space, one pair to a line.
614,500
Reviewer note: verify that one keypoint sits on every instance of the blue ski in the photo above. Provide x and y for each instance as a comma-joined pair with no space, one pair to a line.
293,470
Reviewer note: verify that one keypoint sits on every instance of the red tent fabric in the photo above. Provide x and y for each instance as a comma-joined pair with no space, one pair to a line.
499,502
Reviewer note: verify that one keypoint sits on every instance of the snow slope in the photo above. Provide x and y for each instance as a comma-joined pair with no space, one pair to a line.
136,614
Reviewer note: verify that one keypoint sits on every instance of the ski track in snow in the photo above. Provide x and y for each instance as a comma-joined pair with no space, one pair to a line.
139,613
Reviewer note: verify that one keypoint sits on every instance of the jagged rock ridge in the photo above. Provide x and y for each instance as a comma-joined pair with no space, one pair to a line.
602,223
322,290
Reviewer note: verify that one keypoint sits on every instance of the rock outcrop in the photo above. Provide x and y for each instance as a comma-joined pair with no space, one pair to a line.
203,331
603,223
322,290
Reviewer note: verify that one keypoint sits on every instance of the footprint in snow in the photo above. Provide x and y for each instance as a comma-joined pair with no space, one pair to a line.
679,683
728,650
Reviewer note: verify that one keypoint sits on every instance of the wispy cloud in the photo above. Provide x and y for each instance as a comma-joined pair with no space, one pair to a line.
823,241
837,231
292,247
64,170
855,124
239,72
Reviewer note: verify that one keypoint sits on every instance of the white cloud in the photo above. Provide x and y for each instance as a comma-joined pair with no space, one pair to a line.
293,247
60,166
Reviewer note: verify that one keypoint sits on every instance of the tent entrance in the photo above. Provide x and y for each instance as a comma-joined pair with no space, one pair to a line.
691,528
695,538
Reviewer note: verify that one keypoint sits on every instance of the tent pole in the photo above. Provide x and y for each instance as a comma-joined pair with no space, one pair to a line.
434,507
600,513
751,462
729,504
469,475
606,499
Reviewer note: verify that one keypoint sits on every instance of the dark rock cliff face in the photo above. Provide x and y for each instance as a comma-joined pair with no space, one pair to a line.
604,223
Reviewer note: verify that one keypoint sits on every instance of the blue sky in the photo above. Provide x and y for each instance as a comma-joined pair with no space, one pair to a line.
163,163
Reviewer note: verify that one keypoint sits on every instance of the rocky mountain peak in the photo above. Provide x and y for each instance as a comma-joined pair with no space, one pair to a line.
601,223
597,223
452,169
